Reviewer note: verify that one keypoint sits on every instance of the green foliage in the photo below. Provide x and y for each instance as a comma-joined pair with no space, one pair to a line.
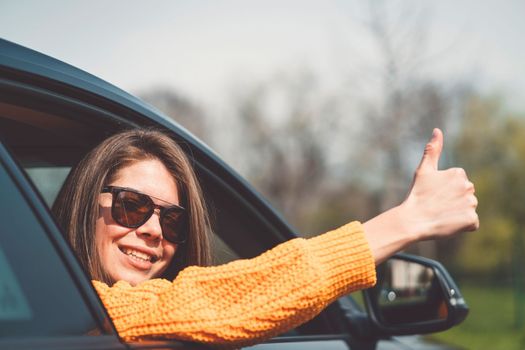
491,147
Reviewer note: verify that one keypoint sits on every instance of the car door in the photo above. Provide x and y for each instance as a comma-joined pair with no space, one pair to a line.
45,299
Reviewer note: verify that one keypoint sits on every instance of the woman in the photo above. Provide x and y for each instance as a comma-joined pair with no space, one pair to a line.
134,213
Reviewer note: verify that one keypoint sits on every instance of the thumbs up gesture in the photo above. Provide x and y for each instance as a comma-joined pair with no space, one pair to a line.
442,201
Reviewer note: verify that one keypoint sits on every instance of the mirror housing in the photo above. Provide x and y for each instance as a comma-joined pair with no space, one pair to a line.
414,295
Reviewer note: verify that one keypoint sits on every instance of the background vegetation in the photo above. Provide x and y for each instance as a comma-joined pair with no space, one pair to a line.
323,156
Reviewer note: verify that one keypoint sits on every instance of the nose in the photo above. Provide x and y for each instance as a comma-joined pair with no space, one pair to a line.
151,229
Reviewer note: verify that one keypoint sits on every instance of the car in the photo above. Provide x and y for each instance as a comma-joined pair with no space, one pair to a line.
51,114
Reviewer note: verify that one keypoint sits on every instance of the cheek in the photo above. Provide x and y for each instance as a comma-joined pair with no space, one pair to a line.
106,228
107,232
168,251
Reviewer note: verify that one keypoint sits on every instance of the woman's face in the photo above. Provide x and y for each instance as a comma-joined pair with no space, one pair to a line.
136,254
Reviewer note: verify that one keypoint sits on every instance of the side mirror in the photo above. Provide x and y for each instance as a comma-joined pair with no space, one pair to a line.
414,295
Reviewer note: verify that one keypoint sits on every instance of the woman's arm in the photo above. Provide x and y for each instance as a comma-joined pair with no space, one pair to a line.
245,301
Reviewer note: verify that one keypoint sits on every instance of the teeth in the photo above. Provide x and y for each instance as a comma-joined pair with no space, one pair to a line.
138,255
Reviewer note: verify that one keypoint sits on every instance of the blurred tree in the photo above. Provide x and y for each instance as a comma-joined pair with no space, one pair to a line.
408,103
306,150
319,161
491,146
285,129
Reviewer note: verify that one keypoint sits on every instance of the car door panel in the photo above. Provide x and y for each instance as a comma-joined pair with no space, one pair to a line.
39,299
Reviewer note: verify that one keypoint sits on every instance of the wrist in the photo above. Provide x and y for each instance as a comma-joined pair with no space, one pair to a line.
410,222
391,232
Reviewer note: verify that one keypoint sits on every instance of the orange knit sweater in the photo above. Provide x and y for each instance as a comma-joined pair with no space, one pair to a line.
245,301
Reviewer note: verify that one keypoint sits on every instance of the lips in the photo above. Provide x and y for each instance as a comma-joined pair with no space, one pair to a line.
140,255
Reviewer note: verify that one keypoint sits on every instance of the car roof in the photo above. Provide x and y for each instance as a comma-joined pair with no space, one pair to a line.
22,59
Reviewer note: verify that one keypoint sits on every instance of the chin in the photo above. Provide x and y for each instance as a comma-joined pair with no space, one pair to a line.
131,277
137,280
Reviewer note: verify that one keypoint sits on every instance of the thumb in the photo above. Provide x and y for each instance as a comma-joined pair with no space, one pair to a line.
432,152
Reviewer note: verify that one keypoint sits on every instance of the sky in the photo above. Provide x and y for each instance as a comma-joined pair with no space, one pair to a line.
205,48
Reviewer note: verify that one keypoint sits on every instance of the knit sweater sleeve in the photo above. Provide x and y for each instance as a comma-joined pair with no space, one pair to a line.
245,301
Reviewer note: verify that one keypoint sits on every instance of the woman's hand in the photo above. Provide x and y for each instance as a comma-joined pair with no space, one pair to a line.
440,203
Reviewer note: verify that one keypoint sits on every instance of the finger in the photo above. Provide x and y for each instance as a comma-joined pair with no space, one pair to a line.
469,187
470,220
474,222
432,152
473,201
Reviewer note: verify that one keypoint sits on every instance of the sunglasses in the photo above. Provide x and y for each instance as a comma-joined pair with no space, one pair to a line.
132,209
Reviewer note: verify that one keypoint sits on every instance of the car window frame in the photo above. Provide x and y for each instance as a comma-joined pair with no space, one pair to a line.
45,217
143,115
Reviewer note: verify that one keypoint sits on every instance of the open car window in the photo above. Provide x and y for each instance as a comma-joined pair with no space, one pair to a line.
48,141
48,133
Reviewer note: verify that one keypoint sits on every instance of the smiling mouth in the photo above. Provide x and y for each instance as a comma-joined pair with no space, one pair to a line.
140,256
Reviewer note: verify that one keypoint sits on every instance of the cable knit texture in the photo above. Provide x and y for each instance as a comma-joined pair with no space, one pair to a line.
245,301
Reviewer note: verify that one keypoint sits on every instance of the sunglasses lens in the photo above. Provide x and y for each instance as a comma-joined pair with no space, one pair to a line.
173,225
131,209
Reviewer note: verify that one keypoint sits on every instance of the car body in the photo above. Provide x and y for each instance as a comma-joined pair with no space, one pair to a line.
51,114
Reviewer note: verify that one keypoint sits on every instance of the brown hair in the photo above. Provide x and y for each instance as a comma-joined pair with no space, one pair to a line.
76,207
